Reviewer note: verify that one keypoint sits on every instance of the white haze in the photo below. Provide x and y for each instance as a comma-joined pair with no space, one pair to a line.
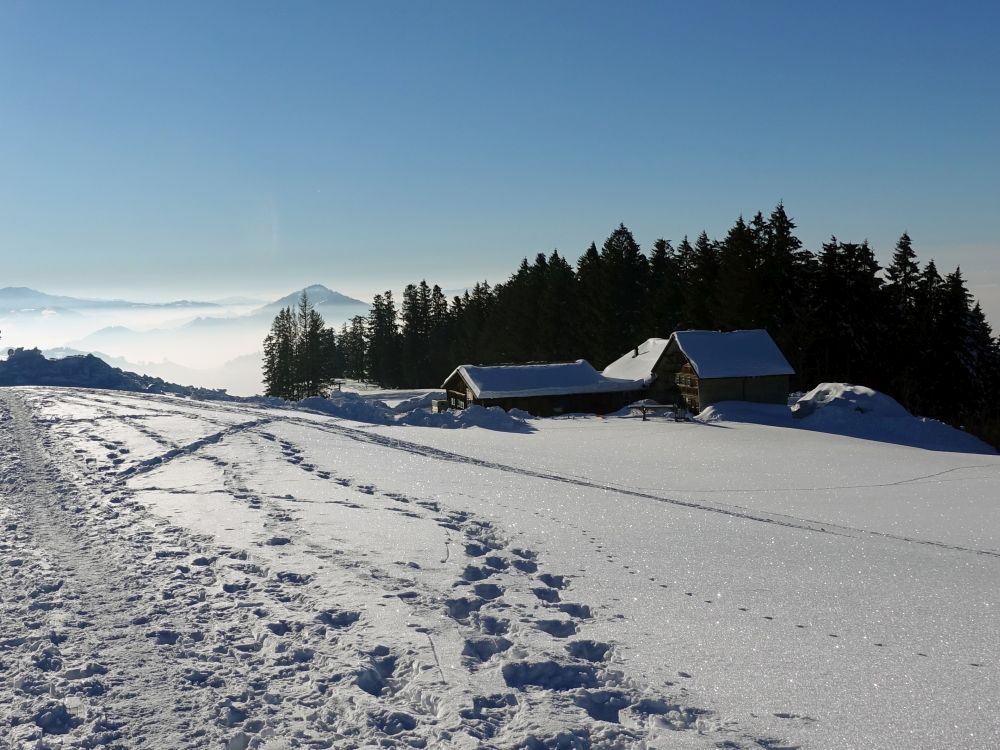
210,346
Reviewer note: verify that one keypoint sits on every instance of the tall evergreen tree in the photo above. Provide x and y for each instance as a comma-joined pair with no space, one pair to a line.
441,332
557,328
415,341
624,272
701,283
789,279
312,367
664,295
382,346
848,290
904,348
738,303
353,340
279,356
593,312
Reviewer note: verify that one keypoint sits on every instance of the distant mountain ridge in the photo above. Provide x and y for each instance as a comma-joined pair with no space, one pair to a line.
17,298
31,367
22,299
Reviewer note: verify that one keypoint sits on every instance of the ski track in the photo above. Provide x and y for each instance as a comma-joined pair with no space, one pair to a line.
788,521
121,630
335,425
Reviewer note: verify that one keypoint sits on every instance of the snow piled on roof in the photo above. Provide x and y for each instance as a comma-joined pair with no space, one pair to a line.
732,354
852,411
550,379
638,363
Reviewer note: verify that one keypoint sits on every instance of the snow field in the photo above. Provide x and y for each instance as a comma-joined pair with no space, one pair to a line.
253,577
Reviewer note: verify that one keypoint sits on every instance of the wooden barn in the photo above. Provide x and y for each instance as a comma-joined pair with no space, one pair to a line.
700,368
540,389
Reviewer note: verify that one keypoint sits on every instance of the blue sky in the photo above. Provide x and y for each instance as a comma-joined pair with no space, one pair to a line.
187,149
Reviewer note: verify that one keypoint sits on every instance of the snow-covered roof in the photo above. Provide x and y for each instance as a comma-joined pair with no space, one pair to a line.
732,354
551,379
638,363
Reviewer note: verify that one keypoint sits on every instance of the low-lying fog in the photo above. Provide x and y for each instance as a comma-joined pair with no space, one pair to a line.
213,346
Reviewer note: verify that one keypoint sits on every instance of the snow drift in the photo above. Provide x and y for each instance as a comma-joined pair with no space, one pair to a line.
853,411
415,412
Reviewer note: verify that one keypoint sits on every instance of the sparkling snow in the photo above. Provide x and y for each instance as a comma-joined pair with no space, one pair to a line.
296,579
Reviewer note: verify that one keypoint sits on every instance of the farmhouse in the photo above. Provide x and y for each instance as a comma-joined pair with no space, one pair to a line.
541,389
699,368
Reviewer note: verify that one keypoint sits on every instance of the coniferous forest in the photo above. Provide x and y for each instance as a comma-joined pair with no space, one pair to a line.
906,330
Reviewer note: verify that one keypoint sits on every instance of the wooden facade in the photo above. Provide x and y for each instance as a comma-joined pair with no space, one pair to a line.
677,381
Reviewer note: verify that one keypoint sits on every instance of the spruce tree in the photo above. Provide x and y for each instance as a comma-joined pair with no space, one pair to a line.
662,313
279,356
592,303
311,365
624,272
382,345
557,328
901,326
352,347
738,303
701,284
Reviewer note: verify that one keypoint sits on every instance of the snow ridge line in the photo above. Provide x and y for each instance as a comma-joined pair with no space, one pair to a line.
185,450
792,522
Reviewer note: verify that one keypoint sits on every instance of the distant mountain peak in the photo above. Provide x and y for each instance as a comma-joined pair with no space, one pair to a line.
318,294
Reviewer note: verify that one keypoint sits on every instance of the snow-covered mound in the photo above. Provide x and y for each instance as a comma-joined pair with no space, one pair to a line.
492,418
31,367
854,411
416,412
424,401
842,401
351,406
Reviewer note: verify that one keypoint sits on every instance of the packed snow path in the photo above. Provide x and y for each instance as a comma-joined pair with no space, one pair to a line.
187,574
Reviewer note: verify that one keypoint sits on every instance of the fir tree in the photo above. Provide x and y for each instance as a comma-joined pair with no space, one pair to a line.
624,272
701,283
279,356
662,314
311,355
382,345
593,312
352,347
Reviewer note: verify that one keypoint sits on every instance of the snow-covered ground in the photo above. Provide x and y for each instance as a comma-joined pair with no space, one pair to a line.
179,573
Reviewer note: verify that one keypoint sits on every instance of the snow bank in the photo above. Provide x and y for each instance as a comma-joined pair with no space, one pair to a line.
424,401
843,401
351,406
853,411
493,418
356,408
